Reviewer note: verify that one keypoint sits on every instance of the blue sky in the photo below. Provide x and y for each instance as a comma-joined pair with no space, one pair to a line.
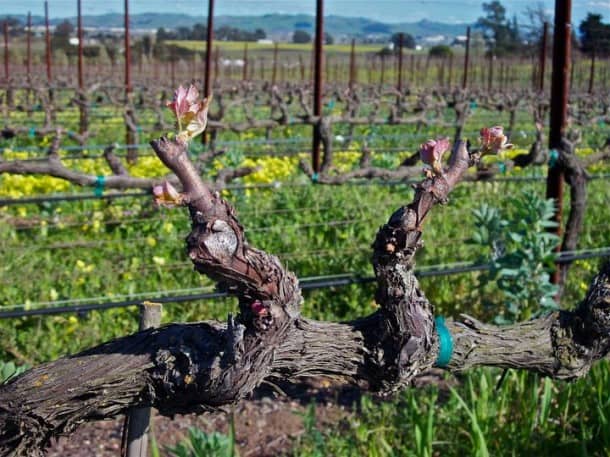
383,10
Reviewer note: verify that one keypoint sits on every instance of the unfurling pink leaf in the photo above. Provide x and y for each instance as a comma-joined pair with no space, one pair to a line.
198,121
493,140
191,113
166,195
431,153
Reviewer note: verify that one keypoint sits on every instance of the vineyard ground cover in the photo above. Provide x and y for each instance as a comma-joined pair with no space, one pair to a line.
527,414
237,47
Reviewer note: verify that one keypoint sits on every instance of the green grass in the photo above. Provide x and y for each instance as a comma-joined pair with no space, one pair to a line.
526,415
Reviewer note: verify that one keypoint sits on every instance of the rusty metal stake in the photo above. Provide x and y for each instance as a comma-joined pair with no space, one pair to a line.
274,68
592,72
244,75
542,64
7,73
559,109
28,61
317,85
401,38
47,42
466,59
207,89
352,65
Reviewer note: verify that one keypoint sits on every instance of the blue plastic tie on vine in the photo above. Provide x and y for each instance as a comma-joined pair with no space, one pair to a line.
553,156
139,129
331,104
445,349
32,132
502,167
314,177
100,184
473,105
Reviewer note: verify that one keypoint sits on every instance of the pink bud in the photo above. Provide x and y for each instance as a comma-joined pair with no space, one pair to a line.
493,140
167,195
431,153
258,308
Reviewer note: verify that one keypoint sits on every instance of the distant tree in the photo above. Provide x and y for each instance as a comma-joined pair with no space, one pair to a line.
594,35
535,17
501,36
183,33
12,21
200,32
61,36
385,51
301,36
163,35
64,29
226,33
407,41
15,27
147,45
328,38
440,50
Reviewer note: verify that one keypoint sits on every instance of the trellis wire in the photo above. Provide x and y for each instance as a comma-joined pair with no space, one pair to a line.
308,283
274,185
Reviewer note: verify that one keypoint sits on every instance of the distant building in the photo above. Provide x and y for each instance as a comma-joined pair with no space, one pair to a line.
435,39
87,41
459,40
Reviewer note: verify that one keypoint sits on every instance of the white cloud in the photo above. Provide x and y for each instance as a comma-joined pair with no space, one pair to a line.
599,4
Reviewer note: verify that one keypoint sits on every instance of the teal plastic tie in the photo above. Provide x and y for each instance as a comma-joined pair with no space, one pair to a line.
553,156
32,132
139,129
502,167
100,184
331,104
314,177
445,342
473,105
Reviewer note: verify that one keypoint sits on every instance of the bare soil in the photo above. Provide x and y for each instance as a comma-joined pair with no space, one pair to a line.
268,424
